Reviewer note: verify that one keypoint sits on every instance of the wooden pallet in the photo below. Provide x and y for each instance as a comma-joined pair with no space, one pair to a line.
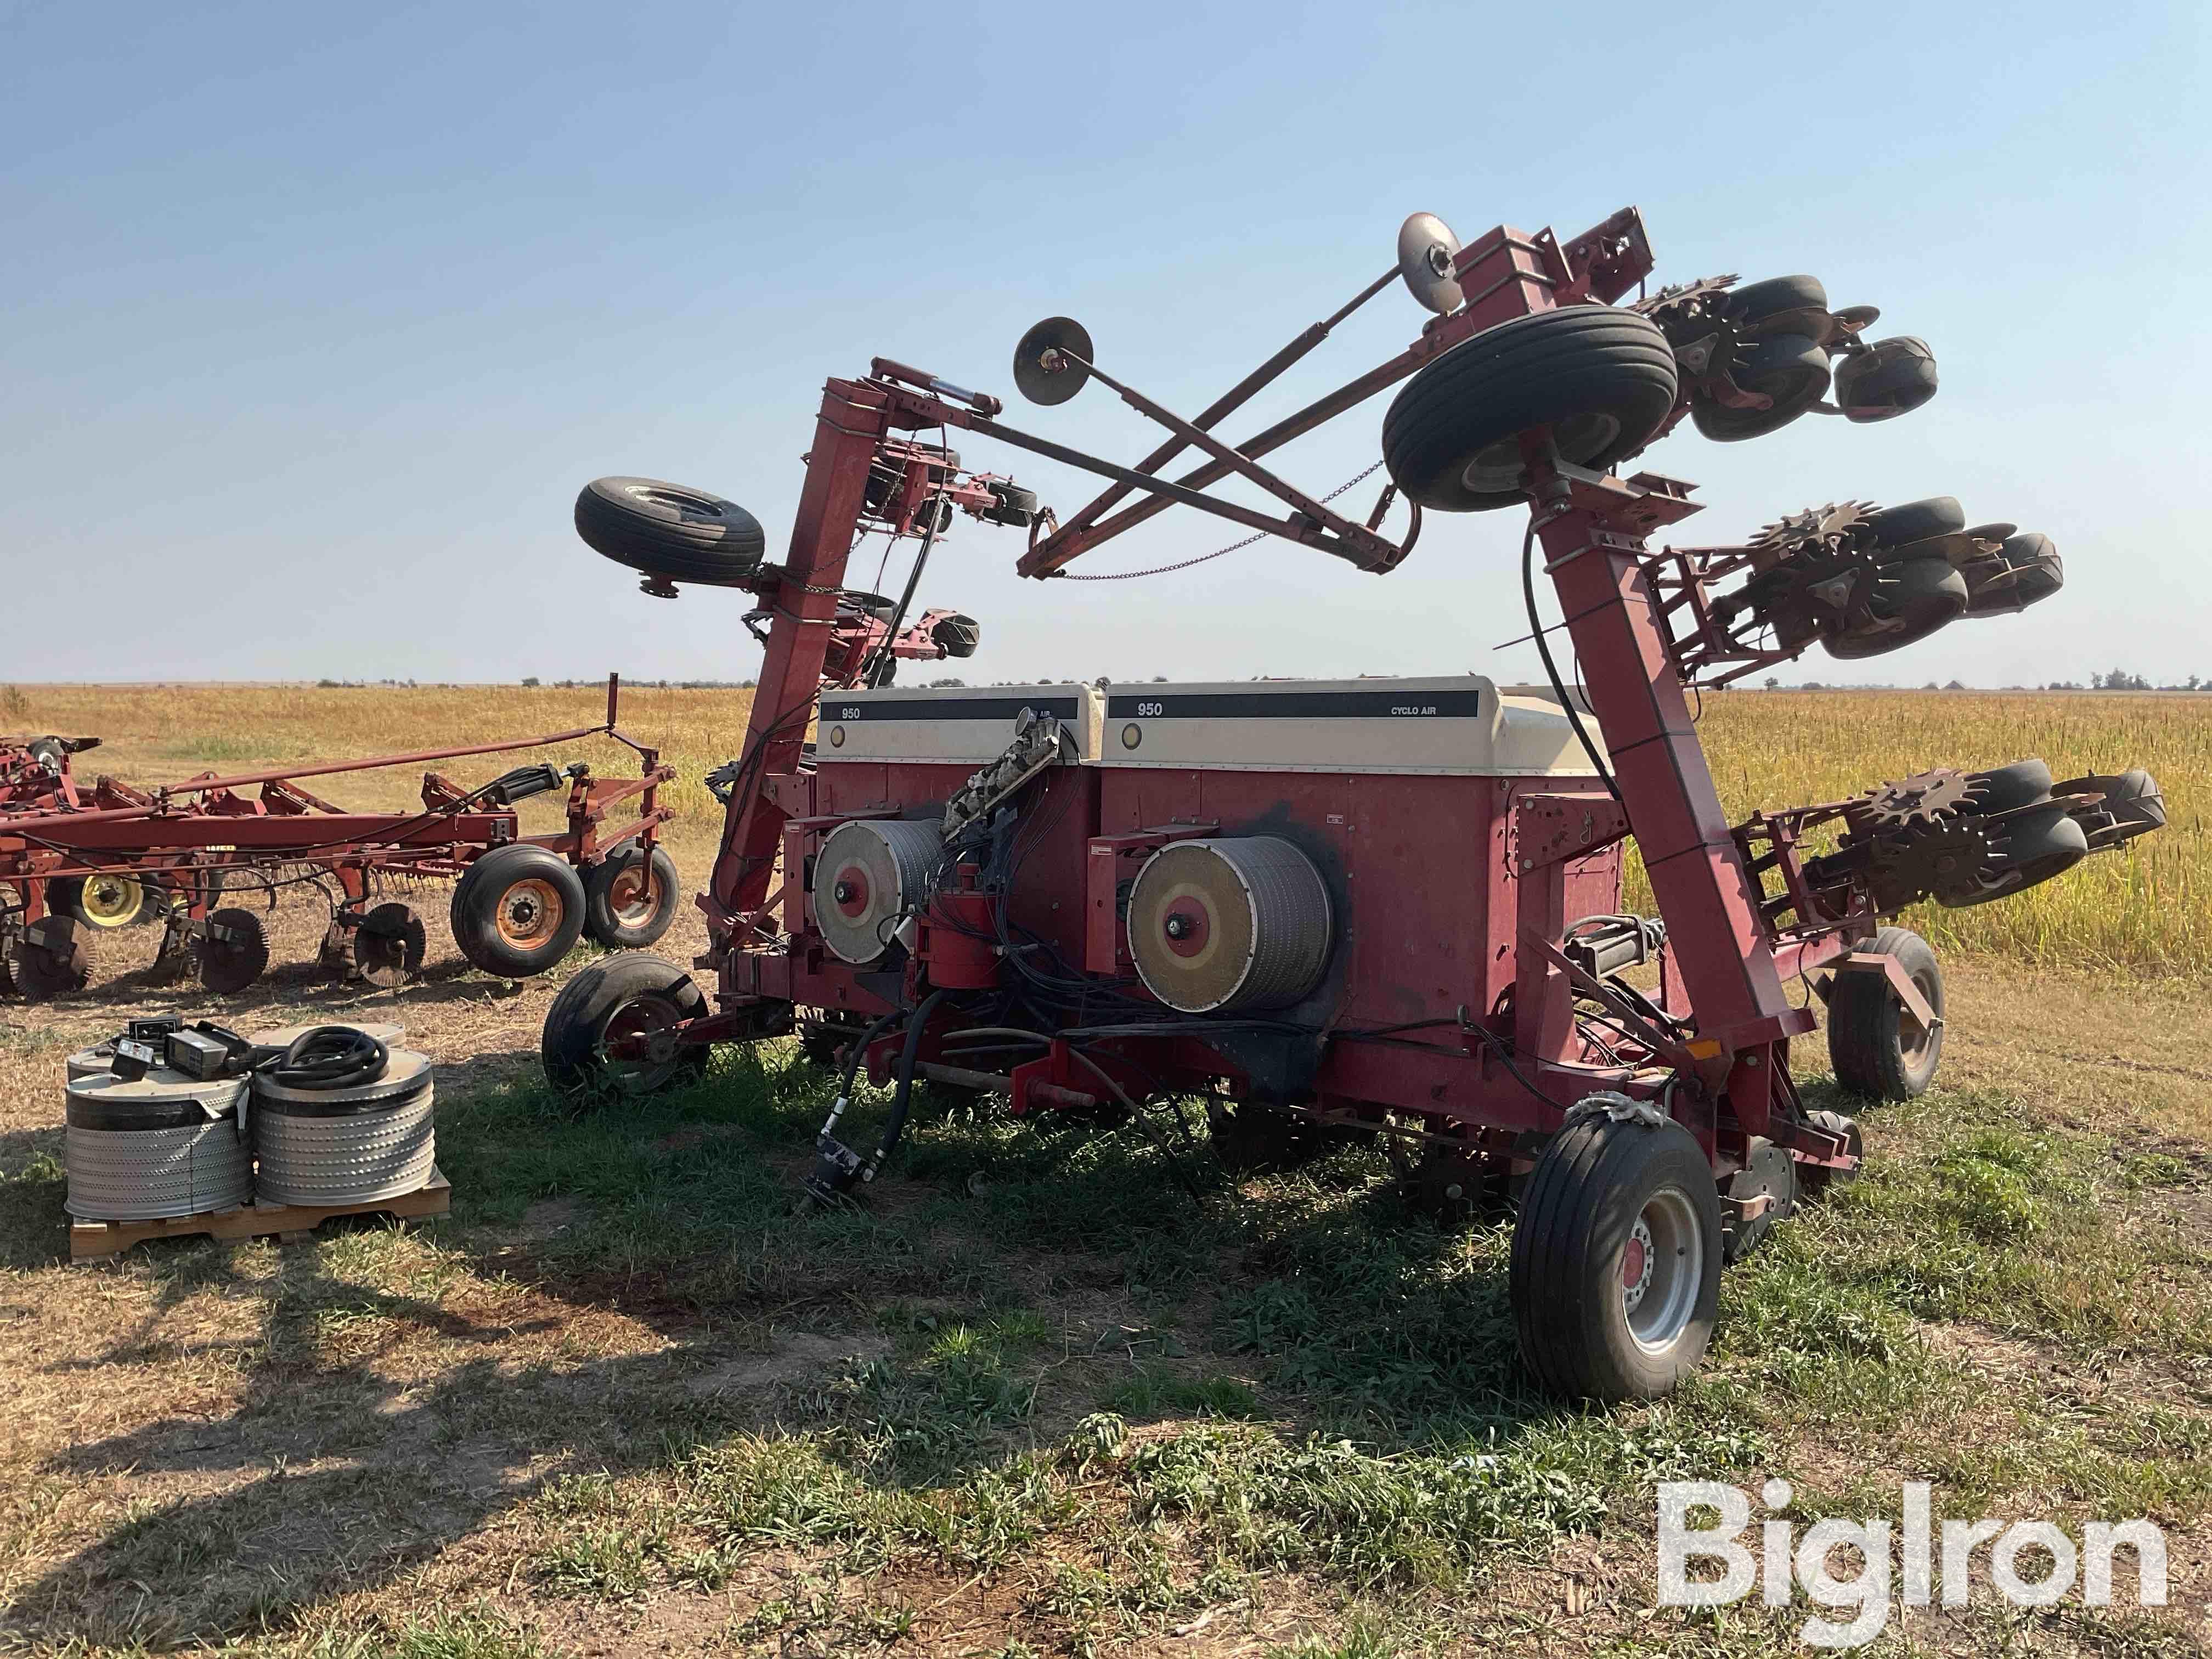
90,1241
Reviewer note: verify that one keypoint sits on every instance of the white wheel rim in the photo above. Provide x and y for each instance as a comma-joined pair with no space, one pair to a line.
1663,1269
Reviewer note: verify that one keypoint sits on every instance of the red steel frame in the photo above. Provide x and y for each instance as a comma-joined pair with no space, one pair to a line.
1720,1064
187,832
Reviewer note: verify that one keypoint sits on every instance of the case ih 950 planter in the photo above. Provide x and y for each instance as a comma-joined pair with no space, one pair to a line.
1383,905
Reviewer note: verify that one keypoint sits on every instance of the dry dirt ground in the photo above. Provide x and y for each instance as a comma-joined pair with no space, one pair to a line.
1039,1398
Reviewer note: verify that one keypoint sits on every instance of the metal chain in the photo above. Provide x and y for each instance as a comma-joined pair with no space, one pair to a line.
1262,536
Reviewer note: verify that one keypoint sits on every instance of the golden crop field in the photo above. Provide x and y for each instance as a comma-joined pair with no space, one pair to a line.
2147,910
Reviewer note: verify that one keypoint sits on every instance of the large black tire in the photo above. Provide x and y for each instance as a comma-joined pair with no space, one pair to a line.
620,996
1789,368
1876,1049
1913,521
1604,1311
1890,378
669,531
517,910
1602,379
1923,594
629,900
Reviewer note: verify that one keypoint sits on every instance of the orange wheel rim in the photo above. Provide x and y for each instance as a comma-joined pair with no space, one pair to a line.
633,894
531,911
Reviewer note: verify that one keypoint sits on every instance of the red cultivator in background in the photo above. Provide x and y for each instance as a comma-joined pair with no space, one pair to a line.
1375,905
78,860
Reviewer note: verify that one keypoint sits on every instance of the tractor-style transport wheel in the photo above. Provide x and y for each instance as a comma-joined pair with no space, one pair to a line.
1616,1263
627,995
107,901
518,910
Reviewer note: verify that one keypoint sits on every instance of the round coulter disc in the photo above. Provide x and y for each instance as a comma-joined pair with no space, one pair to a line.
1233,924
866,877
1425,249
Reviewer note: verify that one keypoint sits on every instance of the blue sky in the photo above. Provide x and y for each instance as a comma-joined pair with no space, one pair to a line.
318,318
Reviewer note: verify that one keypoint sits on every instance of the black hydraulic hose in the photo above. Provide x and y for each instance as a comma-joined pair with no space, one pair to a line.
1550,668
860,1051
908,1056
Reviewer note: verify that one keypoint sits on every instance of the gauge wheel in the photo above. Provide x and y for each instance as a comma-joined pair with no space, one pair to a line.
629,995
1878,1050
630,897
234,953
1790,370
1601,378
1616,1264
518,910
1911,599
109,899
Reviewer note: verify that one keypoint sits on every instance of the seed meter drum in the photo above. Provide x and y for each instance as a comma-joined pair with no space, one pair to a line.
351,1145
868,874
1230,925
159,1145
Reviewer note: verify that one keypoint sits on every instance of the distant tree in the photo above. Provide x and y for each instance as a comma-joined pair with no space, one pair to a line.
1773,684
531,681
1159,679
2118,680
934,684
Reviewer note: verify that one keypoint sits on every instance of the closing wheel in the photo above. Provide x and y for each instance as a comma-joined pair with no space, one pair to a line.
2029,570
629,899
518,910
1616,1261
1601,378
957,635
1911,600
49,959
233,953
630,995
108,899
1890,378
389,944
1877,1049
1913,521
1790,370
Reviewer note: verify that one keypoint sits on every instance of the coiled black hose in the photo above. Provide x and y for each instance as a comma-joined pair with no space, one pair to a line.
329,1057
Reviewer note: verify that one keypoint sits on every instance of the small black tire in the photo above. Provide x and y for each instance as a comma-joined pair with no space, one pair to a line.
1876,1049
1016,506
869,605
2031,848
629,899
228,966
1791,370
1755,302
1890,378
1602,379
2032,572
957,635
622,994
517,910
1923,595
1913,521
669,531
2008,788
1618,1214
2133,805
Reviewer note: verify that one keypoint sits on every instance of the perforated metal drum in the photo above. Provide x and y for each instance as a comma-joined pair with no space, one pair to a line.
868,874
346,1145
159,1145
1228,924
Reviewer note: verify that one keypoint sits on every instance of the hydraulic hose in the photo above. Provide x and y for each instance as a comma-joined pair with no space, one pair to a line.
908,1056
1552,669
329,1057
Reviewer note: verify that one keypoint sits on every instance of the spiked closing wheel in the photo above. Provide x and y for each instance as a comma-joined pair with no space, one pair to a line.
233,952
389,944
